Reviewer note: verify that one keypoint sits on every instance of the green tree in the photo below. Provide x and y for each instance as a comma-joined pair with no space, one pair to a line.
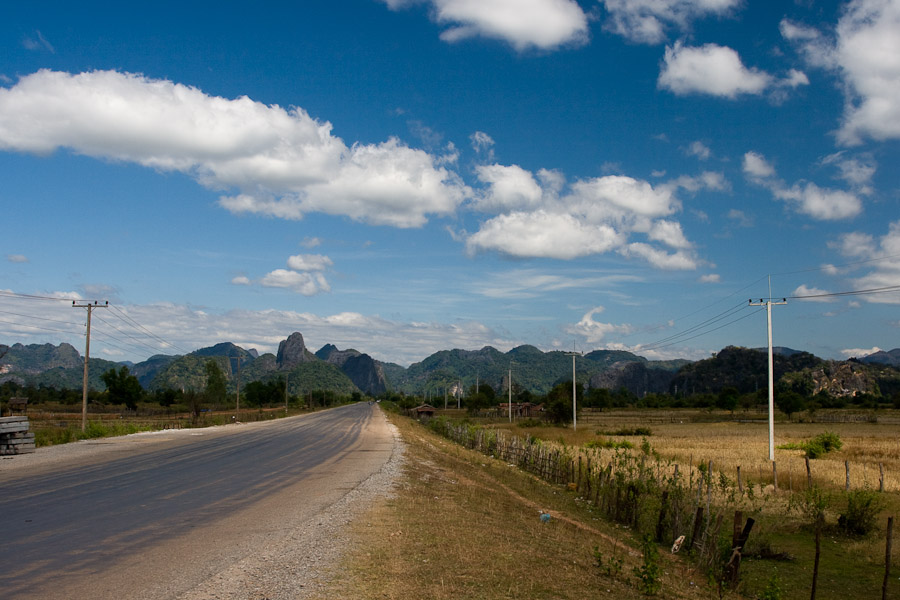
790,402
215,383
728,398
122,387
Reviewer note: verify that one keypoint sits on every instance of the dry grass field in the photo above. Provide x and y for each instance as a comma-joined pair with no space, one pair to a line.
463,525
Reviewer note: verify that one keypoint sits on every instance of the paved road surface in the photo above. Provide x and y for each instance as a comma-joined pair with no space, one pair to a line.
156,516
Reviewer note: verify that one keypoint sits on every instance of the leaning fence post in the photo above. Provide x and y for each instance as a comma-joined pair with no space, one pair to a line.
887,557
698,520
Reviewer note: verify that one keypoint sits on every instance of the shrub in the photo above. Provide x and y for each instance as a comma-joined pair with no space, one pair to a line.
649,573
530,422
861,515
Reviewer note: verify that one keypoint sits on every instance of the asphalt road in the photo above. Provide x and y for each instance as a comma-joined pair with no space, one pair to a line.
155,516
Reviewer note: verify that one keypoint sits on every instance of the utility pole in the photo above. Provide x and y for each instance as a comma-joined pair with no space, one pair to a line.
509,385
573,354
768,304
87,357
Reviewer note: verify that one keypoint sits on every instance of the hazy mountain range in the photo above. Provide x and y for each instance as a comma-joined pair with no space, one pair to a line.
347,371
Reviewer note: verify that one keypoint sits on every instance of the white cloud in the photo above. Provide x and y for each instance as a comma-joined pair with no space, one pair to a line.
804,290
884,255
309,262
740,217
710,278
676,261
543,24
860,352
544,234
756,166
863,52
822,204
308,284
241,280
482,143
593,331
38,42
669,233
710,69
700,150
806,197
509,188
283,162
857,171
17,258
186,328
539,217
646,21
856,245
311,242
531,283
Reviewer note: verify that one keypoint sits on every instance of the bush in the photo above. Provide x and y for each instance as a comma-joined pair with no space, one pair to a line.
862,511
530,422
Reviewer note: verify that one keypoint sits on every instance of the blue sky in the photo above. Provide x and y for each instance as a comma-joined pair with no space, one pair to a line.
403,176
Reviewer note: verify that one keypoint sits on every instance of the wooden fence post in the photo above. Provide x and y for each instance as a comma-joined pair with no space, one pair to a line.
847,468
774,477
880,477
740,483
698,520
808,474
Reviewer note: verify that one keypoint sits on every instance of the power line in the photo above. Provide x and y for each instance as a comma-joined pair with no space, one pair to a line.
881,290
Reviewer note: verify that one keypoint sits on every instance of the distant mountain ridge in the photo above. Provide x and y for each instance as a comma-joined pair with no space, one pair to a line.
350,370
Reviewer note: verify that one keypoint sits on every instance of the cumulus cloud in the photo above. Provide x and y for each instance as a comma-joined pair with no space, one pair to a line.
821,204
811,294
308,284
646,21
309,262
543,216
594,331
862,51
700,150
860,352
542,24
756,166
857,171
544,234
805,197
508,188
884,254
282,162
241,280
713,70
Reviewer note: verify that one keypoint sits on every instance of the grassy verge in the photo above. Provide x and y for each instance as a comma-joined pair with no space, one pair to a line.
463,525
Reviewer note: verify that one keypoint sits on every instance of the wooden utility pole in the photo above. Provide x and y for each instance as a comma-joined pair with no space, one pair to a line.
87,357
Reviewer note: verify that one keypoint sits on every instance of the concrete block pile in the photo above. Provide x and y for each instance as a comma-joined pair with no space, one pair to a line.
15,437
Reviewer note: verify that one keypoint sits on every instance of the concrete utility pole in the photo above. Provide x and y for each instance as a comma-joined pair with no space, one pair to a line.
509,385
87,357
573,354
768,304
